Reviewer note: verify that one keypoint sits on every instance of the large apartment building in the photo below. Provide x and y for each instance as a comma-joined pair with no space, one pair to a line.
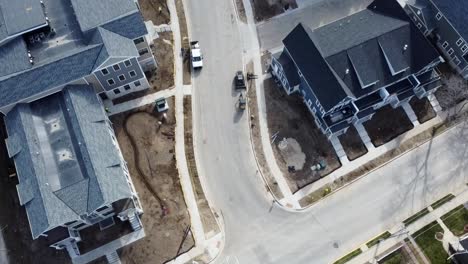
346,70
58,60
444,22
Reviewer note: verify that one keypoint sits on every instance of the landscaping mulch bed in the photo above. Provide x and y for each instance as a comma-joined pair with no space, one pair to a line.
352,144
423,109
288,117
387,124
155,10
266,9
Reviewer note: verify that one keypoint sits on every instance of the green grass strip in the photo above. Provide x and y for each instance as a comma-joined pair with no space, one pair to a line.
376,240
442,201
432,248
349,256
416,216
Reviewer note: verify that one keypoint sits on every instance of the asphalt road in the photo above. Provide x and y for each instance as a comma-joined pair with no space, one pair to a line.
256,231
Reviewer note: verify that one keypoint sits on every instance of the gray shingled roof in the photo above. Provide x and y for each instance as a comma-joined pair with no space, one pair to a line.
66,161
359,53
314,68
114,46
91,13
120,25
131,26
48,76
22,15
456,12
13,57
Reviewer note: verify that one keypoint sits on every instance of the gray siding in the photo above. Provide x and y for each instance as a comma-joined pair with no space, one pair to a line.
115,75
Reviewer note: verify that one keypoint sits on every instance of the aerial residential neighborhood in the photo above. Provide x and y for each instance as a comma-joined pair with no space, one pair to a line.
234,131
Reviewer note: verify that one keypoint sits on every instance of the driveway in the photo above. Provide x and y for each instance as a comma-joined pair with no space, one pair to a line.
318,13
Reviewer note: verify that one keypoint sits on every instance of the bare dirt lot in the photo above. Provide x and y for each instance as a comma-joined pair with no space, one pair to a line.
288,117
266,9
423,109
387,124
156,11
187,75
454,90
272,184
151,147
352,144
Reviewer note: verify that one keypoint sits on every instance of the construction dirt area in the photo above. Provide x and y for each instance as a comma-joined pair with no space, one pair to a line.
288,118
423,109
266,9
387,124
148,147
156,11
352,144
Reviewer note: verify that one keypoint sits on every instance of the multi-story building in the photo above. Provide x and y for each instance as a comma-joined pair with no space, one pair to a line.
56,57
348,69
444,22
45,46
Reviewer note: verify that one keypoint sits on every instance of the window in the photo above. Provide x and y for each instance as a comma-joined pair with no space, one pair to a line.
464,48
116,67
132,73
139,40
116,91
122,77
102,209
128,63
419,25
103,96
104,71
438,16
459,42
79,226
111,81
143,51
456,60
445,45
450,51
127,87
314,111
137,83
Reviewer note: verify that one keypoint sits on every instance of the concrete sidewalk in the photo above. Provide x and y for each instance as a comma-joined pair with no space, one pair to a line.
402,232
371,155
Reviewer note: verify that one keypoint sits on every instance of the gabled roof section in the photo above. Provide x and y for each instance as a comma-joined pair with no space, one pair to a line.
14,57
131,26
22,15
313,67
456,12
91,13
47,76
67,163
115,46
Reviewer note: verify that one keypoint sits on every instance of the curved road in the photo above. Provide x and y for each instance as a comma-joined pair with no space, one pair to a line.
256,232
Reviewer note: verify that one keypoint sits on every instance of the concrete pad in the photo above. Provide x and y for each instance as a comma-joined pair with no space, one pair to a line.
364,136
410,113
292,153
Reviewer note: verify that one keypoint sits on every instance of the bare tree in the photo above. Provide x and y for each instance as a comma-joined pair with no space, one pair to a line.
453,95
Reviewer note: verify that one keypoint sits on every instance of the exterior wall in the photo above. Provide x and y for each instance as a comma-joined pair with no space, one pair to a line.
278,72
122,70
447,39
146,58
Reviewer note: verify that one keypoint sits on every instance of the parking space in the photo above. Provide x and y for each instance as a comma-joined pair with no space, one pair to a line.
313,13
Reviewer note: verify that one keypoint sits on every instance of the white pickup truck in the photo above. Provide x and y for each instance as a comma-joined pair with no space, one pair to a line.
195,55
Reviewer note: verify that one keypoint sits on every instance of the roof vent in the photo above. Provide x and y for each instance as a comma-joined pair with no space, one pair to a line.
405,47
64,155
419,12
347,71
